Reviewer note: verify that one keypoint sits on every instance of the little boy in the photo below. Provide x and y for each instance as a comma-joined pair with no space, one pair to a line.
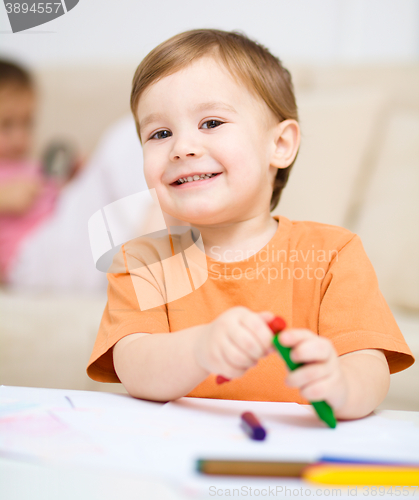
217,118
26,196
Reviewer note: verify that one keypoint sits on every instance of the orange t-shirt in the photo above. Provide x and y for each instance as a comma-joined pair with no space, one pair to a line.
314,275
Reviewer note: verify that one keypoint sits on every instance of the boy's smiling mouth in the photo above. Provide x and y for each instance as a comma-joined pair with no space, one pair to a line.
194,179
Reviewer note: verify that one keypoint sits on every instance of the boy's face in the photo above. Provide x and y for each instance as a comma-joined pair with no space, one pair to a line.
17,106
204,123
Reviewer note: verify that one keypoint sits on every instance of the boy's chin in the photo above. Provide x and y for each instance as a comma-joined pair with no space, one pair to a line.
174,221
187,214
204,219
200,214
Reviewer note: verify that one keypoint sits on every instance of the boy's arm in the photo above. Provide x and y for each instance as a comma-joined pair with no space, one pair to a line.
166,366
154,366
368,380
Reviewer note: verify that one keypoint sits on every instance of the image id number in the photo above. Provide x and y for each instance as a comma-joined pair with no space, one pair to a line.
40,8
397,491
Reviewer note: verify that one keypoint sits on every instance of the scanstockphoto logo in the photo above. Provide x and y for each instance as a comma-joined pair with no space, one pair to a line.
24,14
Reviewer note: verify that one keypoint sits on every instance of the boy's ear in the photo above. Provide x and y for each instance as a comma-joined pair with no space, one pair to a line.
286,143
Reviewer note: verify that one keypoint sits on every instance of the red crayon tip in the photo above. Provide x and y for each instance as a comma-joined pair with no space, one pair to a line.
276,325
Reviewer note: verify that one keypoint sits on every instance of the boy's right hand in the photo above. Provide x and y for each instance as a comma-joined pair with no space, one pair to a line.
18,195
234,342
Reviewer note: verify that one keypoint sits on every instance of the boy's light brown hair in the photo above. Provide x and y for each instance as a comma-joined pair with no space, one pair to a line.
249,62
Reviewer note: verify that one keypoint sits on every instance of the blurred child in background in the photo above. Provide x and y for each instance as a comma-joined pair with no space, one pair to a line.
27,194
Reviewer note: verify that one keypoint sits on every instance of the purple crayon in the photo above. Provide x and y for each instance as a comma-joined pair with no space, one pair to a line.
252,426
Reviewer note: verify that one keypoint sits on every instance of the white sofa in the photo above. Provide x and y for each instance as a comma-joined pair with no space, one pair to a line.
358,167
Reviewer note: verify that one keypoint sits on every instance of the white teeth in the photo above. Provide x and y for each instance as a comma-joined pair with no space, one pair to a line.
196,177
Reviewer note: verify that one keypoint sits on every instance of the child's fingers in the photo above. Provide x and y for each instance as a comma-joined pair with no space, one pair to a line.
244,341
312,349
267,316
227,369
259,330
308,374
238,339
228,373
293,336
319,390
319,382
235,356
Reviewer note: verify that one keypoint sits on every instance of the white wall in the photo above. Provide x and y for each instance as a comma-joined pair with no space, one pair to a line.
314,31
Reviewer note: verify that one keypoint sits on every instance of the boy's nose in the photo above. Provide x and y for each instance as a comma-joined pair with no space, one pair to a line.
177,157
184,148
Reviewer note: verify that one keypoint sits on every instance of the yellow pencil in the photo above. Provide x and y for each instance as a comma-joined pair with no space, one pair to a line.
374,475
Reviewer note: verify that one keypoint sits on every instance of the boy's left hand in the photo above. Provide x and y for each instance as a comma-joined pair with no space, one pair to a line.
322,378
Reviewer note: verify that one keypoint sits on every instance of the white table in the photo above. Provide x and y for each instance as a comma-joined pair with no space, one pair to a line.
59,444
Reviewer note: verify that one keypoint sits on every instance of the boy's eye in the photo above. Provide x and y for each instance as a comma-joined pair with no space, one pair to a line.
212,123
162,134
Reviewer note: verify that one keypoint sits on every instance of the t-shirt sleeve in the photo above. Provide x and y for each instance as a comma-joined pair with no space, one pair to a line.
123,316
353,312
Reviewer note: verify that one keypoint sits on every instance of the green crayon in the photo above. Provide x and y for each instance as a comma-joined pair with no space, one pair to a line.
323,410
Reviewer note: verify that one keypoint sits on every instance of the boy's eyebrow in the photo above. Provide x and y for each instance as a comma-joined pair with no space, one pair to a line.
213,105
199,107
